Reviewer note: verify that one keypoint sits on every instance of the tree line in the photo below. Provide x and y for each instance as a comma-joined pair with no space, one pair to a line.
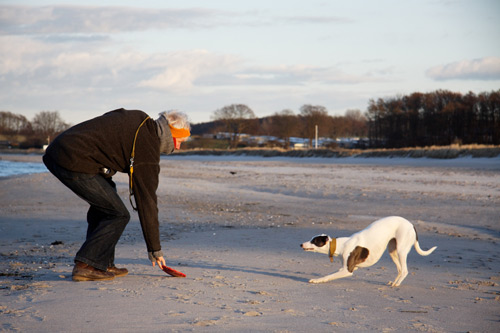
435,118
18,132
237,119
420,119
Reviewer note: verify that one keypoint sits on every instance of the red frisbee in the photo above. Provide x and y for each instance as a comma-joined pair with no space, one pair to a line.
172,271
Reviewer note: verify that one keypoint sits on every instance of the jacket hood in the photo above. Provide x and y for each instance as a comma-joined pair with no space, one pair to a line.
165,136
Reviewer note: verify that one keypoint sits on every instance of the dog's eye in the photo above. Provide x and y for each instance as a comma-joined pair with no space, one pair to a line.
319,241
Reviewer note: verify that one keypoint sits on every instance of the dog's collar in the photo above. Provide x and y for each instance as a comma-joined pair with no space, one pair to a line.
333,247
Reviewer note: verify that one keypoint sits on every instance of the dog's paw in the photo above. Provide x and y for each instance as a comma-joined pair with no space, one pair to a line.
315,281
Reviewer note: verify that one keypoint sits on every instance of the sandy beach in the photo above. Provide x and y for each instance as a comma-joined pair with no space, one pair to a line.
233,225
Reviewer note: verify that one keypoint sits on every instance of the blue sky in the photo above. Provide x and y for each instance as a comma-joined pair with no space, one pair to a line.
198,56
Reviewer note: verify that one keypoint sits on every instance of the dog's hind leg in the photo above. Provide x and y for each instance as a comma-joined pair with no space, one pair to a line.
392,248
402,254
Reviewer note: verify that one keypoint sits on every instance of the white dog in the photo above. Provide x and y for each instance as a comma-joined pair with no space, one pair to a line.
365,247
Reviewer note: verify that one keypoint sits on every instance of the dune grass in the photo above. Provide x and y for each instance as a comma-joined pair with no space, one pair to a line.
438,152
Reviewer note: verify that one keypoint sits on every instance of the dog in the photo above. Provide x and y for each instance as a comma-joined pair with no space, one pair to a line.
364,248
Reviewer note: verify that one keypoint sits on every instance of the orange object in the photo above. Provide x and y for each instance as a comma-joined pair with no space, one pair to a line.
179,132
172,271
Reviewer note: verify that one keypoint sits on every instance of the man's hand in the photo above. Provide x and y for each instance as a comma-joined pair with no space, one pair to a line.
160,261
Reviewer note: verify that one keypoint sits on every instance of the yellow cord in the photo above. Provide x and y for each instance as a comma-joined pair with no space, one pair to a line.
132,156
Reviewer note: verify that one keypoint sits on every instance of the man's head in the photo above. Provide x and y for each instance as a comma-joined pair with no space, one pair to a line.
178,123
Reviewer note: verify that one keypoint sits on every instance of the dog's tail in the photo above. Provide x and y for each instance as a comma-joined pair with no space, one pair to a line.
417,246
422,252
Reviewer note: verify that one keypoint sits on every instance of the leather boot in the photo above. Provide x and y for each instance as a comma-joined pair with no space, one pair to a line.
84,272
117,271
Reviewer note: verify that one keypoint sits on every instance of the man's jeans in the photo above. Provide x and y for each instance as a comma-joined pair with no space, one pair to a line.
107,216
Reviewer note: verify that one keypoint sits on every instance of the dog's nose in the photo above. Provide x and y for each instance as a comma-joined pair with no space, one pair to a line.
302,245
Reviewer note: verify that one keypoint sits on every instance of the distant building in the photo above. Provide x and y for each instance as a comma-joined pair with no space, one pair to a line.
5,144
295,142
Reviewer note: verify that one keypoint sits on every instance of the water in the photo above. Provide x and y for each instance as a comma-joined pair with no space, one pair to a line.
489,163
9,168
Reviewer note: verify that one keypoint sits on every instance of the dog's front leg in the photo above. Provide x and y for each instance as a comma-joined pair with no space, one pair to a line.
342,273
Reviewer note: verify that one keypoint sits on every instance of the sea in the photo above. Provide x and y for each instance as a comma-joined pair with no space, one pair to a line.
9,168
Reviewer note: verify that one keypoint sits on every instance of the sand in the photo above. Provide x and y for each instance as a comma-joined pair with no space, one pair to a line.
234,225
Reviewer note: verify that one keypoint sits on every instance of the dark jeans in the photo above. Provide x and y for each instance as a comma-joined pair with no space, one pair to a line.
107,216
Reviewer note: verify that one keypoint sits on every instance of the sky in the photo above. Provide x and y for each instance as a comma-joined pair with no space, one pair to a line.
199,56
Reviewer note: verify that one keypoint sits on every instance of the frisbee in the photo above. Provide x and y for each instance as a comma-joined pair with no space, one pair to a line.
173,272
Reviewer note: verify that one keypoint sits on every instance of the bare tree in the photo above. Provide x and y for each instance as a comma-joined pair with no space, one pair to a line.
11,123
285,125
314,115
48,124
356,123
13,127
237,119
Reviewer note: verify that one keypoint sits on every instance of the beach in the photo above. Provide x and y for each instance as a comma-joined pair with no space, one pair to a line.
233,225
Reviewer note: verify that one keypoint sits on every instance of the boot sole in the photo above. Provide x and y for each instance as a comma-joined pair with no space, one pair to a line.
85,278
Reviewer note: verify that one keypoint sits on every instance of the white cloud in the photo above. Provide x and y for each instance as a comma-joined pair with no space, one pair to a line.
179,71
281,76
33,63
487,68
69,46
87,19
319,19
59,19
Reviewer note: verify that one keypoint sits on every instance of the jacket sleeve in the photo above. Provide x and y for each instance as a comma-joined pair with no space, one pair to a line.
145,184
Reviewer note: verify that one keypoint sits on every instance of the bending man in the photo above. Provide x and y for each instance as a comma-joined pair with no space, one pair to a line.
87,155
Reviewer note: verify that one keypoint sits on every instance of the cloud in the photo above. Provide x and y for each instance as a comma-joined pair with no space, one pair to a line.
34,64
199,68
38,66
487,68
17,20
64,38
319,19
60,19
297,75
180,71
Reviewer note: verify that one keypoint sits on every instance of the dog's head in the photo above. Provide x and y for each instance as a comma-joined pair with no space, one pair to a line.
319,244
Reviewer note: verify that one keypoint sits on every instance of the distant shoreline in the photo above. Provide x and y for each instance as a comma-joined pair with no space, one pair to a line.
476,157
435,152
446,152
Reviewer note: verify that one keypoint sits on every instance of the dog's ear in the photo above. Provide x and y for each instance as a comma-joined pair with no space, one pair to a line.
320,241
357,256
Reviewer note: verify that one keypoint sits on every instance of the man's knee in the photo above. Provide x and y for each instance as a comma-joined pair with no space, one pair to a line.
119,214
126,216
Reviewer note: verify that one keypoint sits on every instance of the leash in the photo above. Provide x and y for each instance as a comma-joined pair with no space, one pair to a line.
131,167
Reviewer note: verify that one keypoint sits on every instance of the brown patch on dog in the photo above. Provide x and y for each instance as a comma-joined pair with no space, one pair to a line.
392,246
357,256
